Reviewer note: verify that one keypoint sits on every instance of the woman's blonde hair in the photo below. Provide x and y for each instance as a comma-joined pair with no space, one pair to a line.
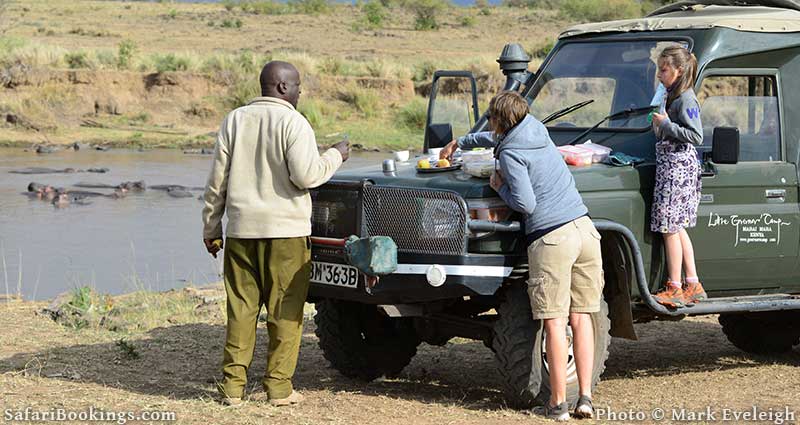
507,109
680,58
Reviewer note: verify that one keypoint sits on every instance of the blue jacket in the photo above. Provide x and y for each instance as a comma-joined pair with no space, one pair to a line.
537,181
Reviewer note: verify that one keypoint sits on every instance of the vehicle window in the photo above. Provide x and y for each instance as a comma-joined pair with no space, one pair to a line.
561,92
749,103
616,75
453,104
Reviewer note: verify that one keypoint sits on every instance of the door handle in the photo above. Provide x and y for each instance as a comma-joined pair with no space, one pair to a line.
778,194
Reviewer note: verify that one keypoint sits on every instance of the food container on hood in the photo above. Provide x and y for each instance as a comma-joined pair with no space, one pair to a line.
576,155
599,152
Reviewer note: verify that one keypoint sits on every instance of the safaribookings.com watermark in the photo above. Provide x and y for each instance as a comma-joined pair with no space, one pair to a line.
89,415
777,416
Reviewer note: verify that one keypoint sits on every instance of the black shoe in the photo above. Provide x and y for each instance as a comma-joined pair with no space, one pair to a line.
558,413
584,409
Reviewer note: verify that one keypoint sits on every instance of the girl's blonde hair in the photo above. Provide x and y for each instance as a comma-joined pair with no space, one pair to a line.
679,57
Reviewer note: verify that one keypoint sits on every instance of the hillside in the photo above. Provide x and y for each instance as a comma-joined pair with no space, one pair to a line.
164,74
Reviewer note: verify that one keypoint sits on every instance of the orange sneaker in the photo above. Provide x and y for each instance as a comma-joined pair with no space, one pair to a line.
670,296
693,292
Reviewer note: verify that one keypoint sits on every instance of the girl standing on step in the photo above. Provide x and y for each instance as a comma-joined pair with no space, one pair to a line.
676,195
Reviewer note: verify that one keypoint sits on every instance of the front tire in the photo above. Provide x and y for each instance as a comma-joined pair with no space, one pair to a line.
361,342
762,333
519,350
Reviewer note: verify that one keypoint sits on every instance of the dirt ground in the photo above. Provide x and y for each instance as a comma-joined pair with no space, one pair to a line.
674,365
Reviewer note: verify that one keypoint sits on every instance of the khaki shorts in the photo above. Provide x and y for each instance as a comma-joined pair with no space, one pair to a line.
566,271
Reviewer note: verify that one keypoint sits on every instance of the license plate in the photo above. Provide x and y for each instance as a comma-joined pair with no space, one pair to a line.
334,274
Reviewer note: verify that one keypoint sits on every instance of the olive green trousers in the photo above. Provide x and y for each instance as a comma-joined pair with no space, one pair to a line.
275,273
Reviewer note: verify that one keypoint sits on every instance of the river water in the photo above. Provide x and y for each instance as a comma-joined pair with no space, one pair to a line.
146,240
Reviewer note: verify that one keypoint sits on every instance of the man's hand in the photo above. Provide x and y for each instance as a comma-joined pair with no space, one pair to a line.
447,151
496,181
658,118
344,148
213,246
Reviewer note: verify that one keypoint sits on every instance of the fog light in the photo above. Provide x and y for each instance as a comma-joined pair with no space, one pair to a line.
436,275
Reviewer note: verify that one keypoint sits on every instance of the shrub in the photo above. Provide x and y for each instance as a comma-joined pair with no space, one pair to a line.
106,58
424,71
363,100
312,110
229,4
541,50
336,66
374,13
125,51
600,10
170,62
172,14
265,7
310,7
77,60
467,21
231,23
241,92
425,12
414,114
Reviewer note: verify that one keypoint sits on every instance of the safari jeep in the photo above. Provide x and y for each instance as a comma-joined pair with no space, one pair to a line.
461,265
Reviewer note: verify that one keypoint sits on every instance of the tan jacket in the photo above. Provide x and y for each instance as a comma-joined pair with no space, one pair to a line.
265,161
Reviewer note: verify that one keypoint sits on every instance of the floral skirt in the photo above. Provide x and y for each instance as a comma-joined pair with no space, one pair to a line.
676,195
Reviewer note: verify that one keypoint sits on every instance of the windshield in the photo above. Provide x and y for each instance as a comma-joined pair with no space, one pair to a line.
617,75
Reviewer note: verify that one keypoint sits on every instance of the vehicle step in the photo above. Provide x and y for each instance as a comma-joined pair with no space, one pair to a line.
750,303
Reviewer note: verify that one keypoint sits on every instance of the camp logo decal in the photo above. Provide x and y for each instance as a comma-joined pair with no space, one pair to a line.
765,228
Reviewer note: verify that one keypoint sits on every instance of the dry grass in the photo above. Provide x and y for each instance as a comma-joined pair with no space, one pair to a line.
102,39
43,364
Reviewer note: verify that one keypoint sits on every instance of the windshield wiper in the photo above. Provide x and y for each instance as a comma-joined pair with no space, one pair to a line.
569,109
619,114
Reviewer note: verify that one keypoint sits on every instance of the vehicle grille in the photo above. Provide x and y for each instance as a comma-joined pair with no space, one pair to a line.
419,221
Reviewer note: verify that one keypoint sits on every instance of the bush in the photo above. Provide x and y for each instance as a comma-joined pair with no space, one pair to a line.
600,10
106,58
77,60
467,21
541,50
229,5
231,23
425,12
172,14
241,93
363,100
265,7
424,71
170,63
336,66
125,51
310,7
374,14
312,110
413,115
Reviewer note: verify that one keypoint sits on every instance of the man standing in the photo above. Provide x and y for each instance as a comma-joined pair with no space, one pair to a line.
265,161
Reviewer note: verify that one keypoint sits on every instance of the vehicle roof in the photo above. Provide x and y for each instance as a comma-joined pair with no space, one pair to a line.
741,18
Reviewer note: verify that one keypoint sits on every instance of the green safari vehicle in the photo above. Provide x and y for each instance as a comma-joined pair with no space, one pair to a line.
461,264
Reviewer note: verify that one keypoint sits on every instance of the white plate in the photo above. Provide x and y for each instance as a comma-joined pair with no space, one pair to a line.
334,274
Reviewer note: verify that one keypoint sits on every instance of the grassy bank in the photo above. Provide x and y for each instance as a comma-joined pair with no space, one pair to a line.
362,64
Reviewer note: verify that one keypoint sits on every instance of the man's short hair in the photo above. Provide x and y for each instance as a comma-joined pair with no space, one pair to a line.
507,109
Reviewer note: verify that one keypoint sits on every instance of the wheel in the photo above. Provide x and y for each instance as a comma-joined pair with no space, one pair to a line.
519,351
361,342
762,333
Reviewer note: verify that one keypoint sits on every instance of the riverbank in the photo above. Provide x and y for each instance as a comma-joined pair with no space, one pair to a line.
169,360
162,74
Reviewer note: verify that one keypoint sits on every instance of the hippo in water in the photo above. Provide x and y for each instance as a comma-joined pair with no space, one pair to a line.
42,170
136,186
65,199
41,191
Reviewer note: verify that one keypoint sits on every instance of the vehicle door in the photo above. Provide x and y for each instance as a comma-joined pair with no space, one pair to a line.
749,221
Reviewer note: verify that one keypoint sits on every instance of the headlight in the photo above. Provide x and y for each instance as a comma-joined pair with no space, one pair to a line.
439,218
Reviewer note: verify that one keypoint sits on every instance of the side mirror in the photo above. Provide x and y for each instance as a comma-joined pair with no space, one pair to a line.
725,145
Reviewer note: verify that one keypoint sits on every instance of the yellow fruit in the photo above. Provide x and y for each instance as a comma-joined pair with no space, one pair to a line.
423,163
442,163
